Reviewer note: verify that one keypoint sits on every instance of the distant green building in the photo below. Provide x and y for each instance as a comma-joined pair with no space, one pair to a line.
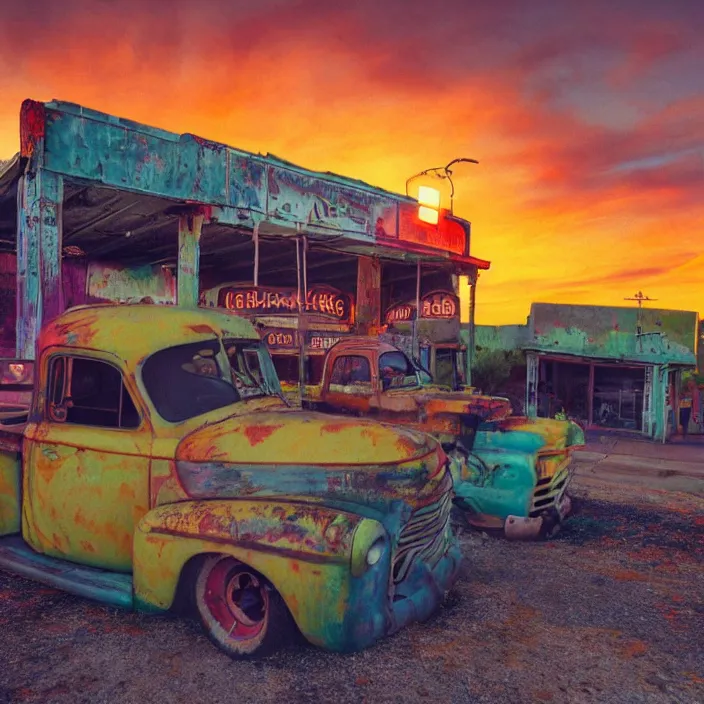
608,367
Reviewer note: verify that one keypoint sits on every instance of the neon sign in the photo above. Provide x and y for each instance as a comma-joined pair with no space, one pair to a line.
438,305
400,314
322,301
280,339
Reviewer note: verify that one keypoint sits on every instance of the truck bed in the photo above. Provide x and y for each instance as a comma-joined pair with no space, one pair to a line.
12,425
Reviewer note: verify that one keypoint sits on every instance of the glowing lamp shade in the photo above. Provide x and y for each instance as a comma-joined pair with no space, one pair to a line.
426,214
429,196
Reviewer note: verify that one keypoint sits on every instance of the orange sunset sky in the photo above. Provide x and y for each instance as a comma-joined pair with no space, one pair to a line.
587,117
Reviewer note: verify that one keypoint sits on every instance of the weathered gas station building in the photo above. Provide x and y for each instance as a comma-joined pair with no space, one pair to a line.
99,208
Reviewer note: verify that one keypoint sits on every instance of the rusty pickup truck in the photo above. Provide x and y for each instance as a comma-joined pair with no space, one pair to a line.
158,464
510,473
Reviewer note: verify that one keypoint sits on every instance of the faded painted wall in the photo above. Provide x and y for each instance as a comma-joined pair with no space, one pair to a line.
496,337
84,283
73,285
601,332
111,282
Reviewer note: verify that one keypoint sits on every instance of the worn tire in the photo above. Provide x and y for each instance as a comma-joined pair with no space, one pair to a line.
240,610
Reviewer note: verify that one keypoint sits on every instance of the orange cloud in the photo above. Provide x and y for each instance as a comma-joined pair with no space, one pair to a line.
588,121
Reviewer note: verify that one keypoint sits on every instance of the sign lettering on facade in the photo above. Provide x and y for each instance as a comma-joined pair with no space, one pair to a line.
280,339
320,342
321,301
438,305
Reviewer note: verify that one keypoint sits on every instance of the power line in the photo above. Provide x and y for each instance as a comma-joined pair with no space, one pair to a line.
640,298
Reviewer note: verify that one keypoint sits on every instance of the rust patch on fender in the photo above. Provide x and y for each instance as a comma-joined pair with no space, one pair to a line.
202,329
259,433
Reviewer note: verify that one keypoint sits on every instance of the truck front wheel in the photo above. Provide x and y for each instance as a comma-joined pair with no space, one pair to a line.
240,611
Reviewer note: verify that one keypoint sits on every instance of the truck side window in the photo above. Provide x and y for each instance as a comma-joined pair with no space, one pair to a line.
89,392
351,374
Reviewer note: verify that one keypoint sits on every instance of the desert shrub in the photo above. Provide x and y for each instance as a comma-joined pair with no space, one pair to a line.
491,369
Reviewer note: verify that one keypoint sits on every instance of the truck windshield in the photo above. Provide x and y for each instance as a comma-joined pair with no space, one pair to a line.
397,371
186,381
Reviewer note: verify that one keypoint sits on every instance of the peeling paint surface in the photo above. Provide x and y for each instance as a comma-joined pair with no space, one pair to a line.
299,497
506,466
121,284
237,186
666,336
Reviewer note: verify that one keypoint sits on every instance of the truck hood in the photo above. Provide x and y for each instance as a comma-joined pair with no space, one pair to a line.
541,435
311,456
437,401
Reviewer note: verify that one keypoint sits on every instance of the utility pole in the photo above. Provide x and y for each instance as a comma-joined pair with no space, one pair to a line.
640,298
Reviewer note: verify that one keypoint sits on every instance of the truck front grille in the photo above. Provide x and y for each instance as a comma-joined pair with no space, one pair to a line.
425,533
549,490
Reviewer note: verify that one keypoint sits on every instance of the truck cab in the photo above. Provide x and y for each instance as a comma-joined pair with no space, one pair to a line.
157,459
510,473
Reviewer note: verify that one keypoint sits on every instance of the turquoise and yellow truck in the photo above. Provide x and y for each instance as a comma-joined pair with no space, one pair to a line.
157,463
510,473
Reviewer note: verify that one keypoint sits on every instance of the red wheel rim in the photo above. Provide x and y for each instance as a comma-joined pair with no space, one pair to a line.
237,600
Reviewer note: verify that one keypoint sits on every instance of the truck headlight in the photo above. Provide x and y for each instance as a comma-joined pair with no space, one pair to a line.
376,551
368,546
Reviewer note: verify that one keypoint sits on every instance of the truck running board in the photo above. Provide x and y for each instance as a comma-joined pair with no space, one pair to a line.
110,588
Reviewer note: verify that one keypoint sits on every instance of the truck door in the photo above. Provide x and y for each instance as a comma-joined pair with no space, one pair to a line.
86,463
350,388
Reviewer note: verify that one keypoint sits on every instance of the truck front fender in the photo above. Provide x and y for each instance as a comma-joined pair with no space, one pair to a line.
495,482
304,551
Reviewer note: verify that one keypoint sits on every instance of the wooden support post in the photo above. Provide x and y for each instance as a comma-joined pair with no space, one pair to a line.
187,288
416,344
39,242
471,344
368,314
590,396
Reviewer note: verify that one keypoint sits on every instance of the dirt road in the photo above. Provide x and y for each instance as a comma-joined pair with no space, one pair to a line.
610,611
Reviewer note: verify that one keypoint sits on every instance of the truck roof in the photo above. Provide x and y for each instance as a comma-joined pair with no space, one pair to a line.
135,331
356,342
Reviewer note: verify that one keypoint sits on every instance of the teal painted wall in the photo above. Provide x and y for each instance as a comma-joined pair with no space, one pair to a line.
601,332
496,337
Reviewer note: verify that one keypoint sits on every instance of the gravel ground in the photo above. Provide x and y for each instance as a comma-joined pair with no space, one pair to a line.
609,611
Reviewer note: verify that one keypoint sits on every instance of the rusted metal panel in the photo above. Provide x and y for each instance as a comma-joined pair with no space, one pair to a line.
504,468
102,327
39,291
655,336
239,187
189,229
307,199
104,492
300,498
